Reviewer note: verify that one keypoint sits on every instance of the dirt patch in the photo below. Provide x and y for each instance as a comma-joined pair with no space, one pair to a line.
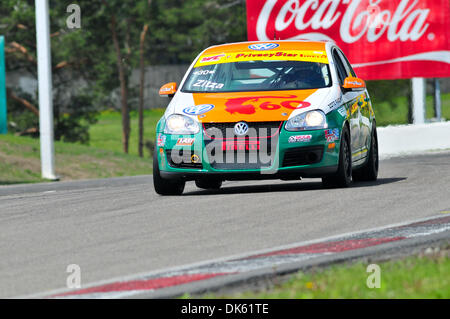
31,164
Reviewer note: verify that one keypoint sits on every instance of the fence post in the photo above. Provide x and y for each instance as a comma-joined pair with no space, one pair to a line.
437,100
418,100
3,109
45,90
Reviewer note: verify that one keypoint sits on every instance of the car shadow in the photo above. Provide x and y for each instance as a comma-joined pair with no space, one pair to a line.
287,187
9,183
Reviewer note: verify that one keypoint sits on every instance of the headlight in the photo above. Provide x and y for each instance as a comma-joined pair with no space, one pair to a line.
312,120
180,124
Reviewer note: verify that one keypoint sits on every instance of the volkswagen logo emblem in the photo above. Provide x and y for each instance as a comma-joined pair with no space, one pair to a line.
263,46
241,128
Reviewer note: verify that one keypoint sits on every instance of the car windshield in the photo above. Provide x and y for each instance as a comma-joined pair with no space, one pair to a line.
258,76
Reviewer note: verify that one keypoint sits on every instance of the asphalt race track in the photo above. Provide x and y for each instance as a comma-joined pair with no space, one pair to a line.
119,227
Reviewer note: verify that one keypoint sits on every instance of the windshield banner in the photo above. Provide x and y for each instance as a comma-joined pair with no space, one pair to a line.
383,39
285,55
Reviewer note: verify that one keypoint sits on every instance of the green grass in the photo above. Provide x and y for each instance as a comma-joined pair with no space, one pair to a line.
412,277
20,163
102,158
107,132
386,115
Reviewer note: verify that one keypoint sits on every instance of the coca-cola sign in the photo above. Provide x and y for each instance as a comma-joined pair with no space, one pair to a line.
383,39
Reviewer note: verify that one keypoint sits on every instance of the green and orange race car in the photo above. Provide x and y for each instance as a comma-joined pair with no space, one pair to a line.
266,110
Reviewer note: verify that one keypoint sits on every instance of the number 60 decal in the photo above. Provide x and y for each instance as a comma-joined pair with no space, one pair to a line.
238,105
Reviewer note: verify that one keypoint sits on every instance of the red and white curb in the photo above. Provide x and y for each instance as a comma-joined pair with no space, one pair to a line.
294,253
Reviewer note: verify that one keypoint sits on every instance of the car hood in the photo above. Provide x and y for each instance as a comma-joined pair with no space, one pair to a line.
264,106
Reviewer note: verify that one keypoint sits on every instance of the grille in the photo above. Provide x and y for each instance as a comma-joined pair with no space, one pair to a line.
265,134
256,129
243,156
182,159
303,156
244,160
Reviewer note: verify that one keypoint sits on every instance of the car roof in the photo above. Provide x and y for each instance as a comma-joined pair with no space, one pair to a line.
283,45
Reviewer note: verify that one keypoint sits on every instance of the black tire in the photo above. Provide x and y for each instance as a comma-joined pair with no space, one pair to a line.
209,183
165,186
343,177
369,172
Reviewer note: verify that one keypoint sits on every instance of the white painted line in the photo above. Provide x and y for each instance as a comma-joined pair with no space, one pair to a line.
430,232
105,295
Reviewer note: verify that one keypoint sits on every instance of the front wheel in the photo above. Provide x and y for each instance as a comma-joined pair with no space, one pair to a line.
343,177
164,186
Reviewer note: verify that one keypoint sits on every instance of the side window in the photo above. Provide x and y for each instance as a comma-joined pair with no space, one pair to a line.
342,73
347,64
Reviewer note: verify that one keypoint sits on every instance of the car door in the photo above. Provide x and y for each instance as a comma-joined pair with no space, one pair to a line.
350,99
363,101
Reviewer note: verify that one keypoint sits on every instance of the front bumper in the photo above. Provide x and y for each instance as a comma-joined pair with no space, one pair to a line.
296,154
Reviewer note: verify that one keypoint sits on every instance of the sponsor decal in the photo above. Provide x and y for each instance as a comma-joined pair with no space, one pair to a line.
208,84
212,58
198,109
248,107
242,105
355,83
371,110
363,101
161,141
335,103
247,145
354,107
299,138
204,72
311,56
263,46
416,32
342,111
332,135
285,55
185,141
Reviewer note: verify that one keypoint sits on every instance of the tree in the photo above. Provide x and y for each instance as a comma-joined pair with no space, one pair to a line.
91,63
74,109
141,91
123,17
182,29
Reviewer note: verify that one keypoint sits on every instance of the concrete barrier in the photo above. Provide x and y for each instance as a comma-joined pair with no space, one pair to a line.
413,139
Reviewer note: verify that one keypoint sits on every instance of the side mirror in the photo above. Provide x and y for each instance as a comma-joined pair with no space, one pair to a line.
352,83
168,89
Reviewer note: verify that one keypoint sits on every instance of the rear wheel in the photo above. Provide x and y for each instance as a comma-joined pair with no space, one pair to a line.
209,183
343,177
369,172
165,186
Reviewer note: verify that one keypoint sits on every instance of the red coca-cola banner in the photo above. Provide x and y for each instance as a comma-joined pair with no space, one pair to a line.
383,39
